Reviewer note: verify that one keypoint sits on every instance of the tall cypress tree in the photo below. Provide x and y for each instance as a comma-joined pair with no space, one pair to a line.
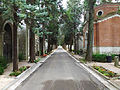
12,12
90,30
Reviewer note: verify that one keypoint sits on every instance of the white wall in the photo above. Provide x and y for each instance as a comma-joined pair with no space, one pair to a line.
115,50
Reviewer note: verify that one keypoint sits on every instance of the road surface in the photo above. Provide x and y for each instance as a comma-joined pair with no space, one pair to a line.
60,72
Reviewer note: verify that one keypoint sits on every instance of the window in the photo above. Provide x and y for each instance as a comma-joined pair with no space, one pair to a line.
100,13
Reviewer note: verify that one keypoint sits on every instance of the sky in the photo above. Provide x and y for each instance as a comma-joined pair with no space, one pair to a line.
64,3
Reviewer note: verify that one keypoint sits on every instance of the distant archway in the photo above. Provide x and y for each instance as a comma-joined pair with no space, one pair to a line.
7,44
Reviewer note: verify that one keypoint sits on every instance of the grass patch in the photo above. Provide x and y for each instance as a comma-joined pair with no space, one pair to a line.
83,60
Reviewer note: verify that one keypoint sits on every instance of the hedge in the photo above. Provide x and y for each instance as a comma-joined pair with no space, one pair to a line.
101,57
3,62
1,70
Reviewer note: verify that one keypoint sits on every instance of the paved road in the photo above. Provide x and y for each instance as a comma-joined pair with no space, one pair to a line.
60,72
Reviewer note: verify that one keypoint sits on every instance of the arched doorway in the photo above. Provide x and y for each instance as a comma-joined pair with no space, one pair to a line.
7,44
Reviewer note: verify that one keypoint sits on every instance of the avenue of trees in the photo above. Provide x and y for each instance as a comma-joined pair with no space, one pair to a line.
72,23
48,20
41,18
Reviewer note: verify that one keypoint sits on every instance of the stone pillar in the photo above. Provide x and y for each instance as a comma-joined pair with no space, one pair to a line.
116,61
1,43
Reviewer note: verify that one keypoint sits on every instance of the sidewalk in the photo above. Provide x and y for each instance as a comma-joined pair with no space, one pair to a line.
6,79
10,83
109,66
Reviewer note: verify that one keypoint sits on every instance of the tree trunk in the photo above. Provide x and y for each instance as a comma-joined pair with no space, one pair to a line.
48,49
32,45
41,45
71,42
75,46
70,47
56,46
15,57
51,47
90,30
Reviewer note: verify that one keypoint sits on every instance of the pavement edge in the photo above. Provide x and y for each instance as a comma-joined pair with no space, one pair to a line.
19,79
107,83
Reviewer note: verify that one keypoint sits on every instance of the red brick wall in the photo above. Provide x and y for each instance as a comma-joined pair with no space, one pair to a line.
106,8
107,33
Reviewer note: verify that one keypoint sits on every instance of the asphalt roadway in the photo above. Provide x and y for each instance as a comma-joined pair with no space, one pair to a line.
61,72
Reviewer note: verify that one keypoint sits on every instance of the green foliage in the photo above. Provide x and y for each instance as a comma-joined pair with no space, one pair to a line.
105,71
83,60
21,57
71,20
99,57
79,51
3,62
21,69
113,56
37,60
1,70
15,73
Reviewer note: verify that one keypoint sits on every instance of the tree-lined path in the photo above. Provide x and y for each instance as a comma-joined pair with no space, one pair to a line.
60,72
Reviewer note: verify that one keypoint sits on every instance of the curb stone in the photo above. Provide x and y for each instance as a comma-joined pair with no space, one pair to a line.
23,76
107,83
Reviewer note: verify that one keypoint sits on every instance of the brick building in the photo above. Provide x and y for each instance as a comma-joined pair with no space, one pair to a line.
106,29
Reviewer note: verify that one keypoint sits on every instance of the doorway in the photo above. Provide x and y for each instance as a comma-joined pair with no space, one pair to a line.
7,44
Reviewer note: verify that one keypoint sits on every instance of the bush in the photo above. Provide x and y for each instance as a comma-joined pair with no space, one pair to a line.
15,73
21,69
37,60
3,62
21,56
113,56
99,57
79,51
1,70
